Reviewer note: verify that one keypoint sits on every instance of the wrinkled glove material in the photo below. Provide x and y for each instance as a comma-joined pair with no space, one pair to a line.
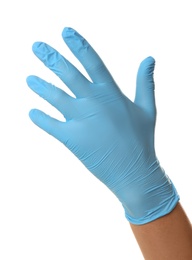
111,135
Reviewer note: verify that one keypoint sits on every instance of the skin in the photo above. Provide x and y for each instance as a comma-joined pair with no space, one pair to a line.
169,237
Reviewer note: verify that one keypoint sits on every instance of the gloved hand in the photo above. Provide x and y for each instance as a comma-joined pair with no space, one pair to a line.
111,135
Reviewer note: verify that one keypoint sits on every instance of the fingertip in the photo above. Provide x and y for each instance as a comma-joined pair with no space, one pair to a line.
147,66
75,41
149,60
41,49
29,79
36,46
35,84
33,113
73,38
67,31
37,117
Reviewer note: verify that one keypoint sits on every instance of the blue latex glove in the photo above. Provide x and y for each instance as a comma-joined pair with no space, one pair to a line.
111,135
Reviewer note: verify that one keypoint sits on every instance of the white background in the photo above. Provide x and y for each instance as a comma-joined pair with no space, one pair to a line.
51,207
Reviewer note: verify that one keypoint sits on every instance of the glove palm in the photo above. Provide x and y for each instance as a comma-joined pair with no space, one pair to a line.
111,135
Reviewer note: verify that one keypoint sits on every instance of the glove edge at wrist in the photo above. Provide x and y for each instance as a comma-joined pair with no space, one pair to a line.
164,207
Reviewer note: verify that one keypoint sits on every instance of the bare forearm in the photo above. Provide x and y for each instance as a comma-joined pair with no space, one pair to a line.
169,237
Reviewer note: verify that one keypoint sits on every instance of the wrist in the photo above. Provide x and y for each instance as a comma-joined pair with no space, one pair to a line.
153,197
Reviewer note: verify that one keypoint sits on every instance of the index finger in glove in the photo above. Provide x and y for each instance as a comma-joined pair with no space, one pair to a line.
88,57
